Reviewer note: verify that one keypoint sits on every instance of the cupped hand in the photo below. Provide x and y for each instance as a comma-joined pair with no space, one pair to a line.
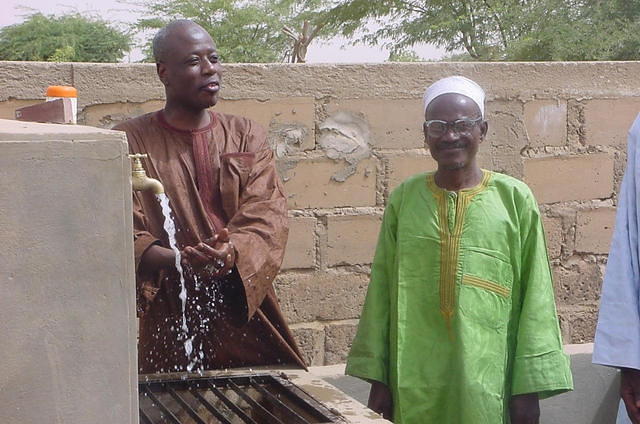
215,256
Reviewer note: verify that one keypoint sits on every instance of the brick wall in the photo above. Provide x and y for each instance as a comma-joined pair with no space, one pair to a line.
346,135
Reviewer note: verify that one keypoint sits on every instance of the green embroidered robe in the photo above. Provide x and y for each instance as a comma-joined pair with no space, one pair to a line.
460,311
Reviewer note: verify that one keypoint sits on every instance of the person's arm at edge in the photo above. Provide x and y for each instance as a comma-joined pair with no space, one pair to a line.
616,340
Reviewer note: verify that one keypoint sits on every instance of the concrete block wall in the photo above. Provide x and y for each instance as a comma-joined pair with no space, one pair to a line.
346,135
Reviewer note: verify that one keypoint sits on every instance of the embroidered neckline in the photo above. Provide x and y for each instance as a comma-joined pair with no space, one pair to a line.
450,240
163,122
484,181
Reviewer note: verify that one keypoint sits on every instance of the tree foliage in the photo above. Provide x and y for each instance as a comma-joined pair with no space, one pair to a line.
244,31
404,56
71,38
582,30
498,29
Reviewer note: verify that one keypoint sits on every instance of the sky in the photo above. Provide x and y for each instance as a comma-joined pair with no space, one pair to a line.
331,51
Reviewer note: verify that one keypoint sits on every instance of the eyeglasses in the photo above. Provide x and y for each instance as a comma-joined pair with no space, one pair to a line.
437,128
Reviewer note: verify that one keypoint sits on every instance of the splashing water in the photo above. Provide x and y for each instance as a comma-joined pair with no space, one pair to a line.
170,228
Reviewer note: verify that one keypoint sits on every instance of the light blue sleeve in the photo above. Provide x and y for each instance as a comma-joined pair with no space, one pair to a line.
617,341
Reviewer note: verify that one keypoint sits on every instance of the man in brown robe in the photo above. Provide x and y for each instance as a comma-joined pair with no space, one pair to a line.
229,211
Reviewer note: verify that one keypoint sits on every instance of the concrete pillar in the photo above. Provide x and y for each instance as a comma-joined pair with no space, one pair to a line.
67,291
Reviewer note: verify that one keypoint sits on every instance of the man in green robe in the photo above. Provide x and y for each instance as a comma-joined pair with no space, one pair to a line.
459,324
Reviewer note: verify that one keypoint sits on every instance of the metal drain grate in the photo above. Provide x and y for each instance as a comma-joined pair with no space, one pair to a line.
238,399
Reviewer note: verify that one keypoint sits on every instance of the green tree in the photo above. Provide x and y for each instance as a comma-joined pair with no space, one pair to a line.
480,27
244,31
71,37
582,30
404,56
498,29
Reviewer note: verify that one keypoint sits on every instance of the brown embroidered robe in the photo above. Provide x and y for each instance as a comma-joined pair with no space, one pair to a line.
235,321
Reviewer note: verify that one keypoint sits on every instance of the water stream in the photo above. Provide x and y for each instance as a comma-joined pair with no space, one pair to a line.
170,228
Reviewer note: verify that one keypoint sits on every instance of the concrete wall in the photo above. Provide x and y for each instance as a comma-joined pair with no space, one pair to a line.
67,302
347,134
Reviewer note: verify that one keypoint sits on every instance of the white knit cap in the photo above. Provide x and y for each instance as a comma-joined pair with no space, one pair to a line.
455,85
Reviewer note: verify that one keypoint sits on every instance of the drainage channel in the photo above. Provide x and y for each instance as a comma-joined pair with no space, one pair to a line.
239,399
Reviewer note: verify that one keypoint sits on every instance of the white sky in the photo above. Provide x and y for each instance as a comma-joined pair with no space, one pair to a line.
12,12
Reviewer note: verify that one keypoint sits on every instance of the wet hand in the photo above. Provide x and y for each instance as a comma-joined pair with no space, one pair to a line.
215,256
630,393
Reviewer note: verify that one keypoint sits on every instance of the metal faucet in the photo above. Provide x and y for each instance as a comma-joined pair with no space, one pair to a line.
139,179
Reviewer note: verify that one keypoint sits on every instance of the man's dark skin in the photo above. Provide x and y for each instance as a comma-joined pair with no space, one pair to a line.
187,63
630,393
457,170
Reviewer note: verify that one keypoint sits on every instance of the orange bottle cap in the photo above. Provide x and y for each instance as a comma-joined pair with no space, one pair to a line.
61,91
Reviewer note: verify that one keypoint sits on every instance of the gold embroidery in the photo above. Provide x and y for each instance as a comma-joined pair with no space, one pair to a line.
486,284
450,242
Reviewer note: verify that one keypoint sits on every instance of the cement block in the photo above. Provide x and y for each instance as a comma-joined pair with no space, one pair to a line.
577,281
310,340
506,137
546,122
554,233
301,246
29,80
321,296
345,135
562,178
115,83
607,121
351,240
111,114
400,167
322,183
395,123
278,115
338,341
594,230
581,322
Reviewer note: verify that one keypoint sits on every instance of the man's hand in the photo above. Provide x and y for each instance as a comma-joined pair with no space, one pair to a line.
630,393
215,256
380,400
525,409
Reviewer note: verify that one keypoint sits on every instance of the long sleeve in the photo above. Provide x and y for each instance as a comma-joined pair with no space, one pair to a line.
539,366
142,238
369,355
617,340
258,225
